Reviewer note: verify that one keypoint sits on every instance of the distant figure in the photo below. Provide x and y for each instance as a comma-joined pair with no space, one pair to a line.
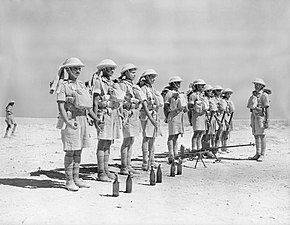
258,104
10,119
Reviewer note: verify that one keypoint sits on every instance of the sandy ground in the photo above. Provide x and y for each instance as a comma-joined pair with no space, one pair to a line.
234,191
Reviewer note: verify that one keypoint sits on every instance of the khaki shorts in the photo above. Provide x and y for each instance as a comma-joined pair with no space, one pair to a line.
76,139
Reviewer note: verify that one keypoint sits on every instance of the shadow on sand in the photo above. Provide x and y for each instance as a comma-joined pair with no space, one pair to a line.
31,183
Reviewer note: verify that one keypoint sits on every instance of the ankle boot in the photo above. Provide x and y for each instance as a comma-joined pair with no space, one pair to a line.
102,176
106,166
70,185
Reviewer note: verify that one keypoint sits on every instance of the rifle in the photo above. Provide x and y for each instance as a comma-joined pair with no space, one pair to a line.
228,124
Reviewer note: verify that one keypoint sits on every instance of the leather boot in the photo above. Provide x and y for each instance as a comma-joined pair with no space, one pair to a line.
102,176
106,166
68,164
76,173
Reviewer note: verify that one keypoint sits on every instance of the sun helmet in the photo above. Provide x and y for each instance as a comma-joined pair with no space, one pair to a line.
175,79
217,87
72,62
128,66
259,81
106,63
199,81
207,87
228,90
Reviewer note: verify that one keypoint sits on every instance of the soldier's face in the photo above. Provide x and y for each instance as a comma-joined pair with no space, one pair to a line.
74,72
109,71
131,74
258,87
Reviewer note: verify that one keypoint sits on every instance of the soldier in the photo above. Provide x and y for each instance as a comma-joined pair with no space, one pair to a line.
175,105
230,108
10,121
210,120
258,104
74,102
149,116
198,106
107,99
220,113
130,114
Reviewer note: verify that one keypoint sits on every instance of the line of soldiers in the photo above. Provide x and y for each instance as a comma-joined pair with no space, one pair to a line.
118,106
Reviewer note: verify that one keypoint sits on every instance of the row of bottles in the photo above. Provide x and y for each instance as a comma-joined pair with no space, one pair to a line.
153,179
116,185
178,168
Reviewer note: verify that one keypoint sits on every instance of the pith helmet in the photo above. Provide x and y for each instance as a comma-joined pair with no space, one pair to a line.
175,79
259,81
106,63
217,87
149,72
199,81
12,101
129,66
228,90
207,87
72,62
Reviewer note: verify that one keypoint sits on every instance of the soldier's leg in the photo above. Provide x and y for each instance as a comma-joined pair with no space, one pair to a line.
145,144
68,167
124,156
170,148
106,160
129,156
76,170
7,129
151,149
263,148
194,141
14,128
258,148
199,139
175,145
102,176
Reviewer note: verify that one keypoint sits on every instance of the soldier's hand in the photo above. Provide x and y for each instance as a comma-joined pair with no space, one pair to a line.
73,125
266,124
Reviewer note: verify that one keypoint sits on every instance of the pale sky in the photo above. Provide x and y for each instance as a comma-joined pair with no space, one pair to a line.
224,42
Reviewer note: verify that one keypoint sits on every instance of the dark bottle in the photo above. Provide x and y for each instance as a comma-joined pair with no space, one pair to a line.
152,176
116,187
182,150
179,167
129,183
172,169
159,174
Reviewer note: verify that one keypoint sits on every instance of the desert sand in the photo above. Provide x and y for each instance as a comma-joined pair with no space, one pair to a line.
233,191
